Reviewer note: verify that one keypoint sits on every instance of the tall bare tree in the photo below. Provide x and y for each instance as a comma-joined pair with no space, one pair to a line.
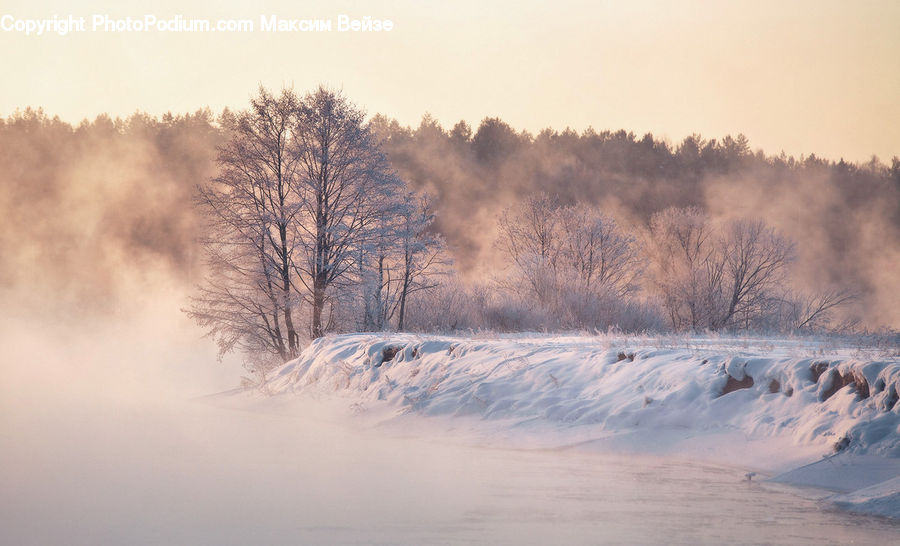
302,188
250,298
422,253
529,236
345,186
683,256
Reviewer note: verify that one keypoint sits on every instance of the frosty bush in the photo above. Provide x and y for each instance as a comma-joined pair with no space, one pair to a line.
573,263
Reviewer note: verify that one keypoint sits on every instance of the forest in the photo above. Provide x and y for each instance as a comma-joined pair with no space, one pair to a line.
300,215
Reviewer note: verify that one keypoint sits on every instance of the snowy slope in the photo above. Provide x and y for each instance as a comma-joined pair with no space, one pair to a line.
764,404
882,499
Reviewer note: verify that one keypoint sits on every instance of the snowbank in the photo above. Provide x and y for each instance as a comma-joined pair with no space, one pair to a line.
762,404
882,499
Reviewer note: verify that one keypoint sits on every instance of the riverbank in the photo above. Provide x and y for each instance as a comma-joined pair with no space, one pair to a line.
806,412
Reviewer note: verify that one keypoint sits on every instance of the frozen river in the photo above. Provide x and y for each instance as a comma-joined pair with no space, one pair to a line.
195,473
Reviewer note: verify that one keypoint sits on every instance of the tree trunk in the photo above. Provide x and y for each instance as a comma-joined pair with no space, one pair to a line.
403,292
293,341
293,344
318,306
278,341
378,322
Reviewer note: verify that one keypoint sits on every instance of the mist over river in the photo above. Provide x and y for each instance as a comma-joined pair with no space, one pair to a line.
191,472
106,439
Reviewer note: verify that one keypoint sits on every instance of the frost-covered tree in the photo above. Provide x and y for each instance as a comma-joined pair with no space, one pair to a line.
302,188
405,258
756,258
597,253
573,261
250,298
714,277
346,188
687,269
529,237
377,274
423,254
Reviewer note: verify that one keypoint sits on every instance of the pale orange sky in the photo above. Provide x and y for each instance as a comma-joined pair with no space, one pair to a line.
810,76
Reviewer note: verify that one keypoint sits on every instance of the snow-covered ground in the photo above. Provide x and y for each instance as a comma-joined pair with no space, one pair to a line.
797,411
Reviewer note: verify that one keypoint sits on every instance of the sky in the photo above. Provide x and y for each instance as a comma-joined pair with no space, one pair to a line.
804,77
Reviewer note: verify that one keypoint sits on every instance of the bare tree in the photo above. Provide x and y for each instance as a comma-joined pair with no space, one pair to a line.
580,267
755,262
712,279
811,311
404,258
345,186
249,298
597,252
423,257
529,236
683,260
302,188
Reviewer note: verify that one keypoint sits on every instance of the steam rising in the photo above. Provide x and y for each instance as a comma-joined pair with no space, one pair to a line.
91,216
844,219
98,235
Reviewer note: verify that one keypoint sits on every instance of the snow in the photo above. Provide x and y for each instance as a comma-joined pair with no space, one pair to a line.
882,499
787,407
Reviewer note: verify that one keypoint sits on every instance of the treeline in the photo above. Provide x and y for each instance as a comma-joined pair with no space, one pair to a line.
473,171
842,218
89,211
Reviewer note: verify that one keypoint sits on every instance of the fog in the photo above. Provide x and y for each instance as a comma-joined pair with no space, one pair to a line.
109,436
843,218
105,442
108,433
93,214
90,215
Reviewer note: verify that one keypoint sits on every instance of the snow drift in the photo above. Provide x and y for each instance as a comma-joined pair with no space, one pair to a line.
794,400
836,402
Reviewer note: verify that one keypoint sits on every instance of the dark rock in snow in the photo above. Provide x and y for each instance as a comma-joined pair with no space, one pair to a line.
734,385
388,353
841,444
817,369
837,383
